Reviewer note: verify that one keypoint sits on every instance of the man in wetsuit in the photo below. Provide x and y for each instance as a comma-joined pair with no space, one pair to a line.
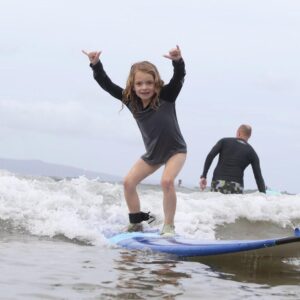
235,154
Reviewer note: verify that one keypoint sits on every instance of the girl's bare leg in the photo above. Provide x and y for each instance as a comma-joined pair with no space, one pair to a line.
137,173
172,169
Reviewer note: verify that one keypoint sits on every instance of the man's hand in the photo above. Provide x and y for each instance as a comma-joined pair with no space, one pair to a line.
203,183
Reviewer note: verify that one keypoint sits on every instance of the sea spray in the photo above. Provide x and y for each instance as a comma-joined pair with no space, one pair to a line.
88,210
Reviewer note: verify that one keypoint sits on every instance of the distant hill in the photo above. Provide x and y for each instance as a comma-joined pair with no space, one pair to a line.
40,168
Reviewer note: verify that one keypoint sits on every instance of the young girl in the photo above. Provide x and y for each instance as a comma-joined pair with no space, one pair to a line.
152,104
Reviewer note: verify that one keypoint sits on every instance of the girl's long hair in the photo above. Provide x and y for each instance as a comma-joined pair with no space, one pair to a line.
129,95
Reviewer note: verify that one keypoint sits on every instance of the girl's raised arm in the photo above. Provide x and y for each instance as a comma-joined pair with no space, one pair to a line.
100,75
170,91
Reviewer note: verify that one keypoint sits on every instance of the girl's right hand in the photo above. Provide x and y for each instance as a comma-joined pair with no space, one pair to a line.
93,56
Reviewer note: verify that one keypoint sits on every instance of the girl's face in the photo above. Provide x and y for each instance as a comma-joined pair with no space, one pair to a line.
144,86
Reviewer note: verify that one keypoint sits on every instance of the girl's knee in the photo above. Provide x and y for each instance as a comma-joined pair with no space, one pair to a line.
128,183
167,183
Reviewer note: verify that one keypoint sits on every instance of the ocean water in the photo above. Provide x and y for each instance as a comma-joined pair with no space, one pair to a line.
53,243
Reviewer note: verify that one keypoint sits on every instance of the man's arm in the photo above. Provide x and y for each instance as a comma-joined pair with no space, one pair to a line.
257,173
209,159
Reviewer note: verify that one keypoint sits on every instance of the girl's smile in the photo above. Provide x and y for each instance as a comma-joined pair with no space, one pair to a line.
144,86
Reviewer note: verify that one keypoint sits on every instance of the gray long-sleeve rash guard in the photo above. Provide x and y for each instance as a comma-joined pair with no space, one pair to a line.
159,128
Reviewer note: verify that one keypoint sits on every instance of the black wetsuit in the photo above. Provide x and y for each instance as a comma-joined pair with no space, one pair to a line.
159,128
234,157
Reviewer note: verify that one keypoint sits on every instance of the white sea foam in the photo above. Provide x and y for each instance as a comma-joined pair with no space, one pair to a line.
88,210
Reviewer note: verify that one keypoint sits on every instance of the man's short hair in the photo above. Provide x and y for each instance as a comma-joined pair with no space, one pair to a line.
246,130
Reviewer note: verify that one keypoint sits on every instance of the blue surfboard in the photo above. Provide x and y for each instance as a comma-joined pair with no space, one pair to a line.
186,247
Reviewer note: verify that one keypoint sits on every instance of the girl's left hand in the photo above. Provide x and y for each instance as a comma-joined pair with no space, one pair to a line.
174,54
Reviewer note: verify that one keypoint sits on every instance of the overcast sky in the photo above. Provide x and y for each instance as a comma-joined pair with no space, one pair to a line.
242,62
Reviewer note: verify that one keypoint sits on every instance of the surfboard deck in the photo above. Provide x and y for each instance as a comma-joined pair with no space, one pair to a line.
187,247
